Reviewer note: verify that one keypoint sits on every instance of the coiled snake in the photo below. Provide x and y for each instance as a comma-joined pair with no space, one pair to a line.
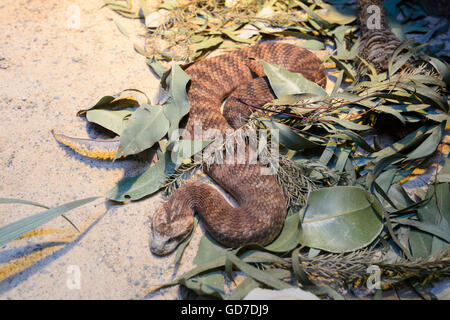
261,207
238,75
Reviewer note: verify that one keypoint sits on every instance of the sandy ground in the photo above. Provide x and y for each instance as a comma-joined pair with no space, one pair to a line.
49,71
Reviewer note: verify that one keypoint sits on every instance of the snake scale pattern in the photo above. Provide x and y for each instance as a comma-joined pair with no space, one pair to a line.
261,209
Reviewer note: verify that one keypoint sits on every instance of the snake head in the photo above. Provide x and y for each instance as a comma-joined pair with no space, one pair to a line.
171,224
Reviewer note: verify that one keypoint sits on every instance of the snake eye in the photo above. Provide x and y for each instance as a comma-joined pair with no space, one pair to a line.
176,238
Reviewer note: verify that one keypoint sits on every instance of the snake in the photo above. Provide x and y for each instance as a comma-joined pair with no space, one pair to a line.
223,91
261,209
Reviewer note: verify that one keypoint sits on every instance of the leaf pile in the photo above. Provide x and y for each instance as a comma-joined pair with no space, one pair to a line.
363,189
184,30
355,163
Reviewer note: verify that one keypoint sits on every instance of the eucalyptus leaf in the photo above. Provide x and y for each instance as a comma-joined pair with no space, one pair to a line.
156,66
257,274
122,29
288,137
185,243
427,227
285,83
358,140
121,100
208,250
429,145
114,121
137,187
184,149
206,44
289,236
334,16
341,219
210,284
346,123
243,289
323,24
434,220
178,105
440,66
312,45
444,174
145,127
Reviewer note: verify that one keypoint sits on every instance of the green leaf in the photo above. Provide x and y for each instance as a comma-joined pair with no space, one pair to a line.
288,137
440,66
209,266
328,152
178,105
392,111
10,200
420,243
109,119
145,127
436,215
184,149
185,243
346,124
206,44
429,145
428,94
427,227
236,38
347,67
404,45
358,140
342,159
335,16
285,83
258,255
403,59
122,29
208,250
156,66
444,174
289,236
312,45
19,228
243,289
299,272
410,141
323,23
257,274
249,284
341,219
137,187
210,284
338,83
118,101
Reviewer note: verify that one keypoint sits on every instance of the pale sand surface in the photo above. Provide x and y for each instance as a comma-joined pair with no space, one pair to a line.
47,73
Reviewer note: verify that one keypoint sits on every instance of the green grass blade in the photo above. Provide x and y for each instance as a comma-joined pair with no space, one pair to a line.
11,200
19,228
